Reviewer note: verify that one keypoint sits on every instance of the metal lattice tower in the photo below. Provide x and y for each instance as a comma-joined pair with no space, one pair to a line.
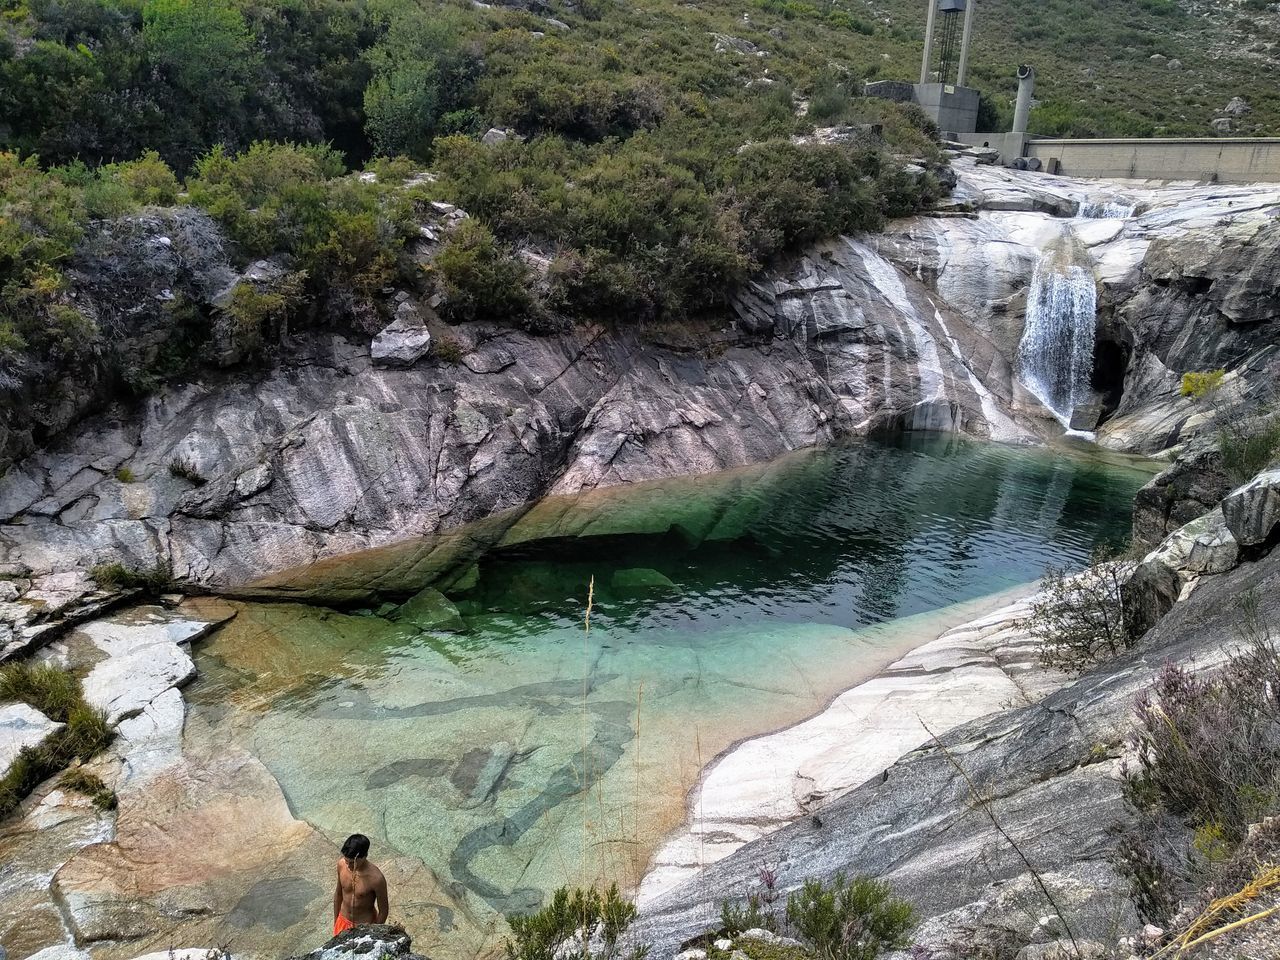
953,41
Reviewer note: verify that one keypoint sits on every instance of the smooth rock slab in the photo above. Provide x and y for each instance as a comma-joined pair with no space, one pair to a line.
124,686
146,656
21,726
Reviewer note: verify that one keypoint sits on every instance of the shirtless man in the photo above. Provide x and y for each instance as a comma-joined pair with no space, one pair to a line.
361,893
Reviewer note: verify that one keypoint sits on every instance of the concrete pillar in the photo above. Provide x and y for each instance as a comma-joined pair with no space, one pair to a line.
928,41
1026,88
969,7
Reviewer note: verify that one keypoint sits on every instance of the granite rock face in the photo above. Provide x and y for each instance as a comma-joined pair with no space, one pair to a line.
227,479
1051,771
1253,511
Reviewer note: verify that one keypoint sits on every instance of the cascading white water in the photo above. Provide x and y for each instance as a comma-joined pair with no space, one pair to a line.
1107,210
1055,355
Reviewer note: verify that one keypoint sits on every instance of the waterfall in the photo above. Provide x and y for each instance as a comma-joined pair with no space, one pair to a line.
1107,209
1055,355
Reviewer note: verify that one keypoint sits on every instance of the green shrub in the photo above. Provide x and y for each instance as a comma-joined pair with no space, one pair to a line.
1200,385
573,916
153,579
448,350
126,475
259,313
850,920
480,278
750,915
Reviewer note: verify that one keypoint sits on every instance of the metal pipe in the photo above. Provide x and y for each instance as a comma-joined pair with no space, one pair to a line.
964,42
928,41
1026,87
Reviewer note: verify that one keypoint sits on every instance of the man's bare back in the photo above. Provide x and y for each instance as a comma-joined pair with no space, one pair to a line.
361,893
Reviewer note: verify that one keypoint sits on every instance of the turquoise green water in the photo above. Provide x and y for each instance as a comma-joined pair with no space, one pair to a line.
479,734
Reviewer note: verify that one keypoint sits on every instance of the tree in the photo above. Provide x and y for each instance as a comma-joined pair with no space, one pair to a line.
419,73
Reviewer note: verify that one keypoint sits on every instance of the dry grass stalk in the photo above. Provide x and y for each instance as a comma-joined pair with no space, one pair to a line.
1203,930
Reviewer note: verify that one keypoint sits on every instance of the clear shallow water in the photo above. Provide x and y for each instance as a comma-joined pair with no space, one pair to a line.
513,753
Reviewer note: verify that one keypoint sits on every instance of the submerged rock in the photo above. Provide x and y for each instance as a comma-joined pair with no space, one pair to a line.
430,610
640,581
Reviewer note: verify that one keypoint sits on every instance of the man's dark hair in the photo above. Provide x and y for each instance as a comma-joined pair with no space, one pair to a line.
357,845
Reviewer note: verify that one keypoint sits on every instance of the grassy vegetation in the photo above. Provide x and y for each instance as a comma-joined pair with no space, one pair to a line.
57,695
1249,444
651,165
1094,72
155,579
91,785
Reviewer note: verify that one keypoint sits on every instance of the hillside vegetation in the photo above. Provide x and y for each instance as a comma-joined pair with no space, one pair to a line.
1112,67
655,153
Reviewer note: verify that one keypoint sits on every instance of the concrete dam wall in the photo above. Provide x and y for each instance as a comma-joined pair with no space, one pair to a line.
1212,159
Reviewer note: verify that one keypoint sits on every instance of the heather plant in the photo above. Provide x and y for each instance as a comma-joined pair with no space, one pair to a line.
854,919
1077,617
757,911
576,925
1208,744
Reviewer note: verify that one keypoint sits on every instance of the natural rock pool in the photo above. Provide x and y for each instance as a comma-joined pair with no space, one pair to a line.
494,749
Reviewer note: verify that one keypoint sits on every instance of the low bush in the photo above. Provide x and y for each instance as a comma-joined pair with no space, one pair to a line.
1197,386
1077,617
448,349
585,924
480,278
850,919
150,579
757,911
1208,747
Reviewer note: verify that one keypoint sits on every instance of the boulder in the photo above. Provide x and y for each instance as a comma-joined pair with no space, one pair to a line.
1187,489
1252,512
494,136
1204,546
373,941
1221,125
1237,107
404,341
